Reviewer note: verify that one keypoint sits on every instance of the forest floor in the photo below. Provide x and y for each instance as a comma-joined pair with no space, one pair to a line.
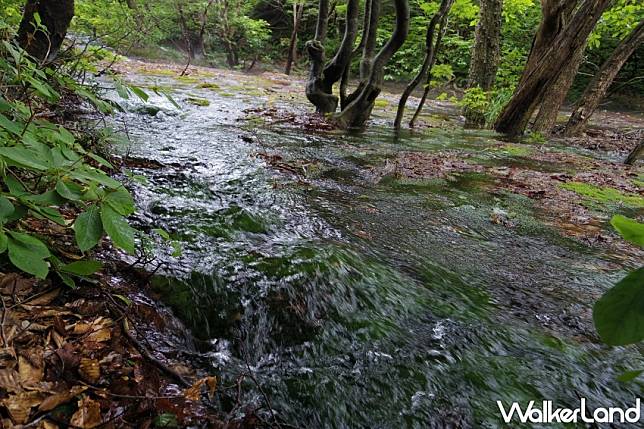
108,355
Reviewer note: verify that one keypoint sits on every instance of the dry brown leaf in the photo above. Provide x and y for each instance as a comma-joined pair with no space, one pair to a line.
46,424
89,370
9,380
19,406
43,299
194,393
60,398
88,415
81,328
31,369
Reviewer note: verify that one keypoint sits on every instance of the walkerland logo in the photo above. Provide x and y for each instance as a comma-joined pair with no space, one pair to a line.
548,414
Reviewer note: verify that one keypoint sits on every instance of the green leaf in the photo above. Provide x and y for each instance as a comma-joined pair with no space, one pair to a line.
121,201
117,228
166,420
162,233
3,241
89,174
630,375
619,314
88,229
69,190
82,268
28,254
6,209
101,160
23,157
139,93
629,229
9,125
123,298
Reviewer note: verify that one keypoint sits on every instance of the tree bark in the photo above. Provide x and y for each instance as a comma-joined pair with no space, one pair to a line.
546,70
319,89
485,55
55,17
598,86
555,95
637,153
359,110
298,11
428,61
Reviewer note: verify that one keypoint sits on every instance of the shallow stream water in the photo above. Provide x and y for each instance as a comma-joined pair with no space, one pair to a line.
358,299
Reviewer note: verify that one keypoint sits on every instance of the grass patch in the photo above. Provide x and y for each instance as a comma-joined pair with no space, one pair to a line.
604,195
198,101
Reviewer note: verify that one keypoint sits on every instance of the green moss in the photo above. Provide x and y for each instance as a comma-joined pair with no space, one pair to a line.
209,85
381,103
515,149
604,195
188,79
158,72
198,101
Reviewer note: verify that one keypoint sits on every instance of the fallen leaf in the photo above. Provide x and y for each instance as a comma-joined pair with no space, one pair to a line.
32,369
19,406
88,415
60,398
89,370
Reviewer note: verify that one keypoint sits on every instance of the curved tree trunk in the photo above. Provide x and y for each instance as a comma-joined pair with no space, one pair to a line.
319,89
55,17
359,109
344,82
485,55
442,28
537,78
428,61
598,86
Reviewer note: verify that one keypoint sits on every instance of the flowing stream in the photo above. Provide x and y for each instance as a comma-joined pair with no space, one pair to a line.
358,299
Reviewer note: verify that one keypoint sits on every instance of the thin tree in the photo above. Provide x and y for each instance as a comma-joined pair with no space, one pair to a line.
44,41
598,86
486,55
298,12
428,61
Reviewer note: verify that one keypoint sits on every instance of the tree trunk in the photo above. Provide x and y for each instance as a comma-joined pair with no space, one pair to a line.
359,110
555,95
441,32
485,55
298,11
637,153
428,61
598,86
539,76
55,17
319,89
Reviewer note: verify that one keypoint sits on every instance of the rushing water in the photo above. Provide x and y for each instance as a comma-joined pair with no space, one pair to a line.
359,300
